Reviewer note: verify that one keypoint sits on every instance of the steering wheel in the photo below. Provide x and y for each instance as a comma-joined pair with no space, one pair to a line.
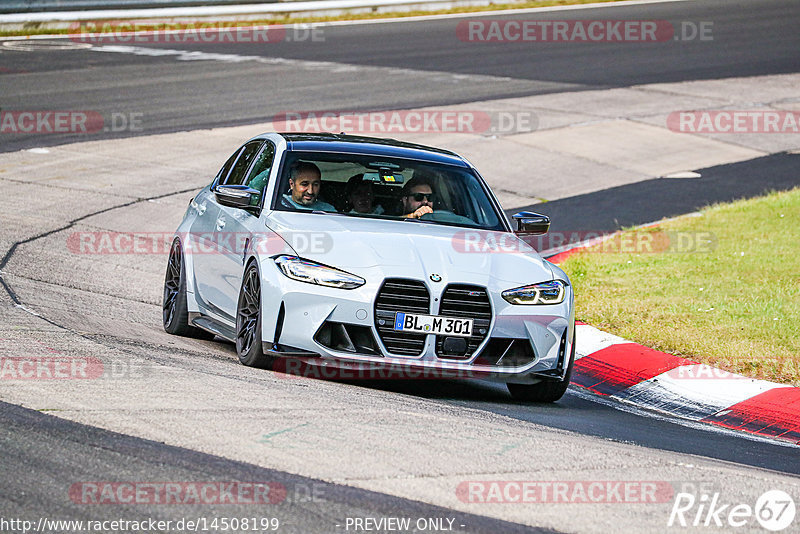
446,217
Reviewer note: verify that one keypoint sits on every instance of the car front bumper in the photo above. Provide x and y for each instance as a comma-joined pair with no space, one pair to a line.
301,311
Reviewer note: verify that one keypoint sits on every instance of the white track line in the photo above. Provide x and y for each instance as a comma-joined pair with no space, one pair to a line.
276,8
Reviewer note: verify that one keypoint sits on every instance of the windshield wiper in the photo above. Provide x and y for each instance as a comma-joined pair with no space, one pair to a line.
327,212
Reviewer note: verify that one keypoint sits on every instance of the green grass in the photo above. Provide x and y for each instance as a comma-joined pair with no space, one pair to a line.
297,18
734,304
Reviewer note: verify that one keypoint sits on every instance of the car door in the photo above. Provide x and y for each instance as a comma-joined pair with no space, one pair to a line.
235,226
201,241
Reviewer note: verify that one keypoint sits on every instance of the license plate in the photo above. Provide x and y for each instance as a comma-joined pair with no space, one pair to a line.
432,324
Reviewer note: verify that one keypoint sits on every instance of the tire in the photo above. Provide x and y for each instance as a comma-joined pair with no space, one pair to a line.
175,314
248,322
545,391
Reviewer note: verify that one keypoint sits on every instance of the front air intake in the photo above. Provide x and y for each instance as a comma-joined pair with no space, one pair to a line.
465,302
401,295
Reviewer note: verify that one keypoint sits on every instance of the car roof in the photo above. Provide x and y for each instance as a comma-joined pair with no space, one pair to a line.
374,146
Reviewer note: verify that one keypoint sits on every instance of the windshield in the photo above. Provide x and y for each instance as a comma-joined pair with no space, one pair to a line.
385,188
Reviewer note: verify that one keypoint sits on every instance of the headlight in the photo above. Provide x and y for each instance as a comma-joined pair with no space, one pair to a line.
314,273
543,293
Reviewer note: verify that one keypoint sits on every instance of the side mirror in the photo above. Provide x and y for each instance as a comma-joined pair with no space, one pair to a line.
238,196
531,223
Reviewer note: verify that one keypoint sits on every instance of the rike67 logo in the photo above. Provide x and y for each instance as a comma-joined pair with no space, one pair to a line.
774,510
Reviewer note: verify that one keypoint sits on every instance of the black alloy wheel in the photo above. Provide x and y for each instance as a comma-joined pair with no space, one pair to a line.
175,314
248,322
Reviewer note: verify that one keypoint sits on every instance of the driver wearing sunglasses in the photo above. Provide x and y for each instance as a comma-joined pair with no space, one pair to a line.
417,198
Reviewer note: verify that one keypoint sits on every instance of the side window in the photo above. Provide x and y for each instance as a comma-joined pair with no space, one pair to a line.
237,175
223,172
260,174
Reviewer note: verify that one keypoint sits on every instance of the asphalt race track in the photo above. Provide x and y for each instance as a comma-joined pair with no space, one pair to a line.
408,61
306,505
175,410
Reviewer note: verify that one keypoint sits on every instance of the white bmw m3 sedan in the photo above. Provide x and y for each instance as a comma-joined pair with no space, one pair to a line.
365,254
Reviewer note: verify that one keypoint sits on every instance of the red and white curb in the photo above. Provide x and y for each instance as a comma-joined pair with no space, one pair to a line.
611,366
614,367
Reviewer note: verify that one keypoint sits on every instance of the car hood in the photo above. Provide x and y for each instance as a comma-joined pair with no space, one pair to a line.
415,249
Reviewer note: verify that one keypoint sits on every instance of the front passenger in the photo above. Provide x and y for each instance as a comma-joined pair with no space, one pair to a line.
305,180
